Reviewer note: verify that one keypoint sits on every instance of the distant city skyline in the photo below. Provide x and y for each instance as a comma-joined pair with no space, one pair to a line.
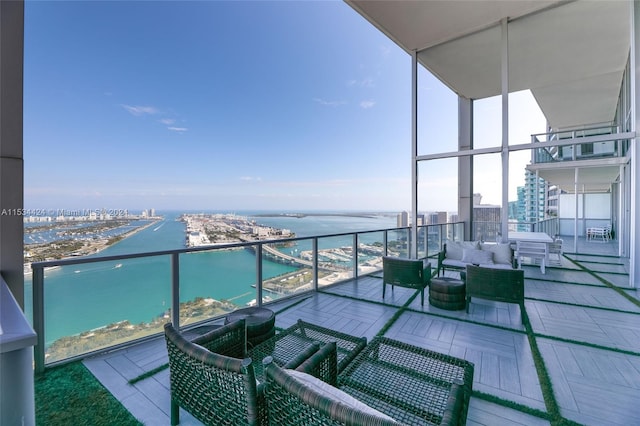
236,106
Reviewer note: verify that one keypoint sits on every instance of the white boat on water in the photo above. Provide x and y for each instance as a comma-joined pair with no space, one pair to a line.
253,301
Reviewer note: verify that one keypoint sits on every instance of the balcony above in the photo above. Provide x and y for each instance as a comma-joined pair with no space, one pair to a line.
597,151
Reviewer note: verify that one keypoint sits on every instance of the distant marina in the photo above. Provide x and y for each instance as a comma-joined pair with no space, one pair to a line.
218,228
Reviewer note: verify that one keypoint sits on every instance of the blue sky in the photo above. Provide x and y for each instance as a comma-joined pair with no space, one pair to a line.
222,106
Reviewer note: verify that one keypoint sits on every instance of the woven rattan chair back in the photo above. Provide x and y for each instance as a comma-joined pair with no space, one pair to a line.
216,388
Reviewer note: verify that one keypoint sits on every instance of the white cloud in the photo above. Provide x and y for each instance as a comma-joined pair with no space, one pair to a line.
168,121
366,82
140,110
250,179
329,103
177,129
367,104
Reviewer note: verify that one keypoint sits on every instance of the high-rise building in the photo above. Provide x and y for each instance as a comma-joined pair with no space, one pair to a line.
403,219
520,216
437,218
486,221
535,197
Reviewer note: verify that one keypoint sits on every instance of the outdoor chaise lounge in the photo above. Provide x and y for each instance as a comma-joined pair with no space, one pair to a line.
502,285
389,383
410,273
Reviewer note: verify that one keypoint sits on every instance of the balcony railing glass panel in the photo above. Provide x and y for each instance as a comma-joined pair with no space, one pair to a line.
87,304
399,242
609,147
214,282
370,252
96,305
287,269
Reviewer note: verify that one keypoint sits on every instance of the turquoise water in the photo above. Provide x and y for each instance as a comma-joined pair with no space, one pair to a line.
84,297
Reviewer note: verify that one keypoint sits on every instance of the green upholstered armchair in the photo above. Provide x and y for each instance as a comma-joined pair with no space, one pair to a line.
410,273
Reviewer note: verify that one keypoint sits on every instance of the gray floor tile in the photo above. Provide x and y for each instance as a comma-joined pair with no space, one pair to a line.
593,386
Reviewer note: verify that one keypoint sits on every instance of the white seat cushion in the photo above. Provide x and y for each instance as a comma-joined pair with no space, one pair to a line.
502,252
455,248
335,394
454,263
477,257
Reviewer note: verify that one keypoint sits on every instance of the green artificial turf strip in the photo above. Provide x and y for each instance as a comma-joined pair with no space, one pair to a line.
70,395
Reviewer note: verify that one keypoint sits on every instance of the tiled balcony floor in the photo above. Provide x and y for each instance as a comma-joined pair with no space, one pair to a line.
588,336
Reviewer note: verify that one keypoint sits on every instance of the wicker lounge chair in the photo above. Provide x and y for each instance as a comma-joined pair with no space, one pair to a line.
410,273
502,285
392,383
212,378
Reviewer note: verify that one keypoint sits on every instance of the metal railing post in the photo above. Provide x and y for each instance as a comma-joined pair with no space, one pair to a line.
385,243
175,290
355,255
38,317
259,275
314,256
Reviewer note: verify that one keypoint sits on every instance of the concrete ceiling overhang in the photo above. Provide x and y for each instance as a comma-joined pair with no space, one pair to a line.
593,176
571,55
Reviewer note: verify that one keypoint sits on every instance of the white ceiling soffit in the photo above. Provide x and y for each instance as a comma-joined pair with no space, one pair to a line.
590,179
571,55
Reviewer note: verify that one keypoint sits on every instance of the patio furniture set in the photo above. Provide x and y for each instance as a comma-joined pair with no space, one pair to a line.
244,372
312,375
535,246
483,281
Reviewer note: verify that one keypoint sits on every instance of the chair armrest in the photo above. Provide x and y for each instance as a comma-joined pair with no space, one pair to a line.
229,340
441,257
426,272
347,346
454,405
323,364
303,356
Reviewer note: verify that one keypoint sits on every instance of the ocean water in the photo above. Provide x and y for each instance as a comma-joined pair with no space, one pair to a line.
83,297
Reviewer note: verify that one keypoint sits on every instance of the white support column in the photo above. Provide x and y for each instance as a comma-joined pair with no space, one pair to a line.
414,154
465,166
504,229
575,222
11,153
634,230
620,213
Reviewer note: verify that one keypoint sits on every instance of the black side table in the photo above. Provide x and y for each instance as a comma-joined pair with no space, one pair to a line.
260,323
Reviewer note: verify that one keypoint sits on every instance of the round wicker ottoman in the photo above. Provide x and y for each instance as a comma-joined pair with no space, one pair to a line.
260,323
447,293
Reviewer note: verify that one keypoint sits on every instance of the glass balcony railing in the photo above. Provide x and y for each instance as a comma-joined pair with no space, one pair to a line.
84,305
489,231
591,142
